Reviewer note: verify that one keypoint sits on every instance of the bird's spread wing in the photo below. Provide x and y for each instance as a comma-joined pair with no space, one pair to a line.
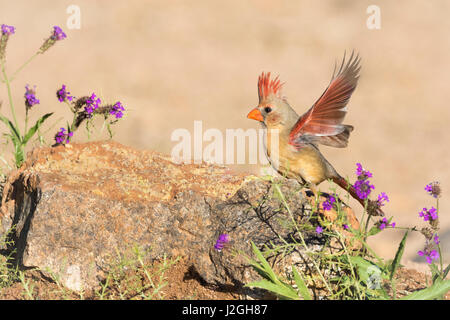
322,123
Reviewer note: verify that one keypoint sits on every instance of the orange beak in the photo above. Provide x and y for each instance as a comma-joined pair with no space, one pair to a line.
255,114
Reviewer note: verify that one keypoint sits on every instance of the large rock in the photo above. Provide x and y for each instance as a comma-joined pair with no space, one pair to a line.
73,206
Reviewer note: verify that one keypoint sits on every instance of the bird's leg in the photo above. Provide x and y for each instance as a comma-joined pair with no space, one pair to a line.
313,188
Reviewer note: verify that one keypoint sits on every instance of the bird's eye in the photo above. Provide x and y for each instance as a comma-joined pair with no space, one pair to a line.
267,109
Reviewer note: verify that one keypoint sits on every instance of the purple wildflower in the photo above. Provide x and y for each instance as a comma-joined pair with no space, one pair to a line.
434,254
361,173
385,223
30,96
63,95
346,227
222,241
430,255
382,198
433,213
363,188
58,34
62,136
434,189
8,30
428,214
436,239
424,214
328,204
92,104
319,230
117,109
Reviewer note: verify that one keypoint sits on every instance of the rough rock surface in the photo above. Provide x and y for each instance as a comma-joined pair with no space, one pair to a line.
73,206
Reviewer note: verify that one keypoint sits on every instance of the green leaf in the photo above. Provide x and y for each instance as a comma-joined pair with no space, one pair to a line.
108,127
34,128
15,136
446,270
302,288
280,290
270,280
436,274
264,264
398,256
436,291
18,153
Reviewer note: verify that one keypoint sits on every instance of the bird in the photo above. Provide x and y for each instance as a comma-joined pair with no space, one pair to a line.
298,155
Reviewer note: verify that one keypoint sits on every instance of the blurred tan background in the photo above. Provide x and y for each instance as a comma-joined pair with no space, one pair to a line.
173,62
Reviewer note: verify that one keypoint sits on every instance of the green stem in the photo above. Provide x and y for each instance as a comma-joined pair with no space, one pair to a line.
26,120
73,125
23,66
394,289
439,246
8,86
366,224
440,259
368,219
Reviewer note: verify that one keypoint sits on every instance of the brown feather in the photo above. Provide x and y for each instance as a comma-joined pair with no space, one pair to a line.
338,141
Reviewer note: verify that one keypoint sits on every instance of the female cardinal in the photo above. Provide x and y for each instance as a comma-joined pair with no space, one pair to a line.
298,154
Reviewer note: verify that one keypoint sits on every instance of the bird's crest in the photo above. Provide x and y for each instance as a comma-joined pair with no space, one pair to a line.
267,87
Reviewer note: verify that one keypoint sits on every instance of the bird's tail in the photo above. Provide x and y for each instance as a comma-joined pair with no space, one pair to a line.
373,207
341,182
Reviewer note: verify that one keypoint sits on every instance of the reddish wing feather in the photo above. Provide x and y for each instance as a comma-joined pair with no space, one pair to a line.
325,117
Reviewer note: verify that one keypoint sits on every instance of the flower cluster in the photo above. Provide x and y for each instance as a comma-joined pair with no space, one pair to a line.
361,173
62,136
30,97
328,204
431,233
63,95
85,108
382,197
117,110
319,230
428,215
363,188
92,104
362,185
222,241
385,223
58,34
430,255
434,189
436,239
8,30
